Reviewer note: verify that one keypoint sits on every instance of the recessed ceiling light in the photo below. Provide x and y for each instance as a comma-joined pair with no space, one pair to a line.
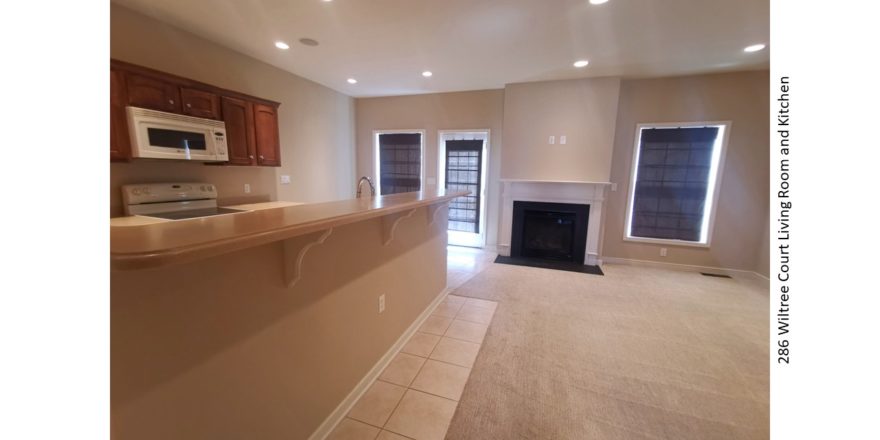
754,48
598,2
281,45
581,63
308,41
427,74
326,1
350,80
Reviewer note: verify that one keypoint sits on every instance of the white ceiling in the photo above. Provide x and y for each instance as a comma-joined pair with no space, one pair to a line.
477,44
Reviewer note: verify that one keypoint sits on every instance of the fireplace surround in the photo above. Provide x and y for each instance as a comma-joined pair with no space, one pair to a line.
547,191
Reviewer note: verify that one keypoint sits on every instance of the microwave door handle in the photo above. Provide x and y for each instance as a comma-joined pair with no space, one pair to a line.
186,146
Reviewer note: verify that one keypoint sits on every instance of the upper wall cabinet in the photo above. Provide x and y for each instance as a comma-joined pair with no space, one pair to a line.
266,130
152,93
251,122
200,104
119,143
239,117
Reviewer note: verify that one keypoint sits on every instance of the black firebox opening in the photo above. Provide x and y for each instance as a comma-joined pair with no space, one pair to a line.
549,231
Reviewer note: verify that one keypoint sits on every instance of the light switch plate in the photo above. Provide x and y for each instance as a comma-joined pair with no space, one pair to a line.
285,179
613,186
552,140
562,139
247,188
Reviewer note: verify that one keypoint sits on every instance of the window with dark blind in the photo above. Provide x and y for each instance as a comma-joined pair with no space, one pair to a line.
463,173
400,163
674,181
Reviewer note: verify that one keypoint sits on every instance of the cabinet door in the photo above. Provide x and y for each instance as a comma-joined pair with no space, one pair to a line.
266,128
152,93
200,104
120,147
238,115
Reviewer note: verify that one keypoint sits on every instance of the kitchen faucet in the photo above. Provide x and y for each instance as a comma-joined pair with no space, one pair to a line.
370,182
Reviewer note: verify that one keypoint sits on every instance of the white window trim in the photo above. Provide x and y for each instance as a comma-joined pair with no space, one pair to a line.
376,174
719,154
478,134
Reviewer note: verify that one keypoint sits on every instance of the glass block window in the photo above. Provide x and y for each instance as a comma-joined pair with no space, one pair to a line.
463,172
674,183
400,163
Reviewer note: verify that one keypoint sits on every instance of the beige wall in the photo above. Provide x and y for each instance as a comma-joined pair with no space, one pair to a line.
433,112
583,110
599,117
740,234
316,123
222,349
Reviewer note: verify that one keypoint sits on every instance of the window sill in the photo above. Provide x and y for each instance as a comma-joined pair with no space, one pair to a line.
666,242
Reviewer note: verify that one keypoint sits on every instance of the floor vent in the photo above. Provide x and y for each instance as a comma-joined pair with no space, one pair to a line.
716,275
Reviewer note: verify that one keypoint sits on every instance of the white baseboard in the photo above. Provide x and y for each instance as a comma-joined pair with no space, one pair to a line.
345,406
684,267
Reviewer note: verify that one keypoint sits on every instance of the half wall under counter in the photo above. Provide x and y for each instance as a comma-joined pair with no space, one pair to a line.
266,324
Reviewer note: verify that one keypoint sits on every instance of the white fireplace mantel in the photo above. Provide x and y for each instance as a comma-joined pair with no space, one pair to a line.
554,191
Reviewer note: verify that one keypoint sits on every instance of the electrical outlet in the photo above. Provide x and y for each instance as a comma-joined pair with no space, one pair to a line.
562,139
613,186
285,179
247,188
662,252
381,303
552,140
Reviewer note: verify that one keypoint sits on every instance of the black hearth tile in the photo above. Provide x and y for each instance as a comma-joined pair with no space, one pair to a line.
550,264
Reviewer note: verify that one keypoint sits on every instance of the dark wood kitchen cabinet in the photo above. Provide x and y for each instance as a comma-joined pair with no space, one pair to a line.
200,103
152,93
238,115
251,122
120,147
266,129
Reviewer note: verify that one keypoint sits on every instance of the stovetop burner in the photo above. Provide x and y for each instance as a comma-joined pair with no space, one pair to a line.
194,213
173,201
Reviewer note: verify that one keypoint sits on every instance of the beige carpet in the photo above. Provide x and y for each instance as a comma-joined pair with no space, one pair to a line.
640,353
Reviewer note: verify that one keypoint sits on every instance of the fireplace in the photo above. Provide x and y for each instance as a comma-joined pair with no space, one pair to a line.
549,231
590,195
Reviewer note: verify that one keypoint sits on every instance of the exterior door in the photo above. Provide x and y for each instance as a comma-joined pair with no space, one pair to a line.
463,161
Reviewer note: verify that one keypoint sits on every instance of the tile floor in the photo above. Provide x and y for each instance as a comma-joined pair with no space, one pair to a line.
463,263
417,393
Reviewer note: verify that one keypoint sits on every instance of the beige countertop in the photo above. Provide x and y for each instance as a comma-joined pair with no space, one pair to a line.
139,220
141,242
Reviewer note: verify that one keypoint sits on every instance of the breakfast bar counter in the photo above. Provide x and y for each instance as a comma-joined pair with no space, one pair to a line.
139,245
299,306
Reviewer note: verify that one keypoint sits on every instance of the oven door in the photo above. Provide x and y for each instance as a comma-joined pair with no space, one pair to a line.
159,136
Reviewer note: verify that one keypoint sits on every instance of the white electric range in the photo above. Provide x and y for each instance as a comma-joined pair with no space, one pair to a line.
173,201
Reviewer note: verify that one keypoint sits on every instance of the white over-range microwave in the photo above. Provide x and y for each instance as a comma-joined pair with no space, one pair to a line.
161,135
